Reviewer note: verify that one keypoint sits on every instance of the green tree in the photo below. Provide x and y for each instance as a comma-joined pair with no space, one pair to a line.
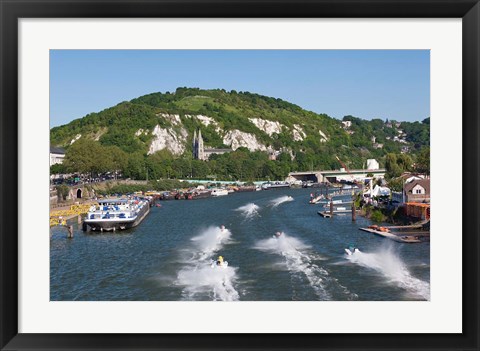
87,156
393,170
136,167
58,168
423,161
405,162
118,159
396,184
62,191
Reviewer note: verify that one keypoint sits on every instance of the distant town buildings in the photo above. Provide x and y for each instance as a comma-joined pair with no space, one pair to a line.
272,155
57,155
391,124
199,150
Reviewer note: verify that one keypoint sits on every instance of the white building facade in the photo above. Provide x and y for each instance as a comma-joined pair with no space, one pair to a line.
57,155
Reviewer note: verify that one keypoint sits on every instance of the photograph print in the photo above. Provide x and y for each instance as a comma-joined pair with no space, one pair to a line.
239,175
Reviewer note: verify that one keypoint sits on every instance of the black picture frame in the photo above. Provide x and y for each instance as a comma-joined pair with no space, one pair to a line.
11,11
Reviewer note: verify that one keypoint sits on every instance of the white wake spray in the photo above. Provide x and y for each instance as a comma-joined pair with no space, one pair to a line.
215,283
249,211
199,278
211,240
297,261
280,200
390,265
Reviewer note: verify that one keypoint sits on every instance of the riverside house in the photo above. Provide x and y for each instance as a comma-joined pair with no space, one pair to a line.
417,190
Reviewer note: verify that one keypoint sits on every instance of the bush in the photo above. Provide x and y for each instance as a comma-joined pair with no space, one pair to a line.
377,216
62,191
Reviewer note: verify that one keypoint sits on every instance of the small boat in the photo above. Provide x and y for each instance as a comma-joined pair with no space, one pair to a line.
350,251
242,189
278,235
335,202
219,263
167,195
316,199
275,185
179,196
201,194
219,192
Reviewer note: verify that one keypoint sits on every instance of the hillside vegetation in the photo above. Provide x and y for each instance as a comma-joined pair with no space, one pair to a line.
155,132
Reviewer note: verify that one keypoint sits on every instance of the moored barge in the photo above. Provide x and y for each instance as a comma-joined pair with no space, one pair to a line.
117,214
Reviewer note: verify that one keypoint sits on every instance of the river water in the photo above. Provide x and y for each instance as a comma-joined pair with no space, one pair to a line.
168,256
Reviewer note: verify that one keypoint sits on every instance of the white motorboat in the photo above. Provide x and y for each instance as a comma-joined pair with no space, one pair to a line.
219,192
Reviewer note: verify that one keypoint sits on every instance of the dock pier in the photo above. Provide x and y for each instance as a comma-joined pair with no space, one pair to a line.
407,237
329,214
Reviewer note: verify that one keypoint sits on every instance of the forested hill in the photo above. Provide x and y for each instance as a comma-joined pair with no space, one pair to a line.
242,120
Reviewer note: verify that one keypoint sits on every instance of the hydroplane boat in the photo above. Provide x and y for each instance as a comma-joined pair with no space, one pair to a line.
278,235
219,263
351,250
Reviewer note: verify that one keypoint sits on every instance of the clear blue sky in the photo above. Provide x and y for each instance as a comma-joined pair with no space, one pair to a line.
393,84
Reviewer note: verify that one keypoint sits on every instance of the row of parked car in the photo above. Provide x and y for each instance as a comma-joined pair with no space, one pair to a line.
76,179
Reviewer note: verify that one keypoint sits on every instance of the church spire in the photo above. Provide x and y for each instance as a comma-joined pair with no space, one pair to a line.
195,144
201,151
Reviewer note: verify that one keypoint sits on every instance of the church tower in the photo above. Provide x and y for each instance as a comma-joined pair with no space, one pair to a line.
201,150
195,145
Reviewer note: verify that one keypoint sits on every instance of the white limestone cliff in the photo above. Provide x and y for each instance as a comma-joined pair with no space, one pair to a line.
298,133
267,126
236,139
167,138
323,137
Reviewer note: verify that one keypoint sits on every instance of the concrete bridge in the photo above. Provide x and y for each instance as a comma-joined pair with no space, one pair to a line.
337,175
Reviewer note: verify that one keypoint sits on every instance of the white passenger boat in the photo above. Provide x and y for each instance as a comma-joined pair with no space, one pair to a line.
275,185
114,214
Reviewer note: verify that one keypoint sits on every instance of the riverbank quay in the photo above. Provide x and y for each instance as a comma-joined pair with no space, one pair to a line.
62,214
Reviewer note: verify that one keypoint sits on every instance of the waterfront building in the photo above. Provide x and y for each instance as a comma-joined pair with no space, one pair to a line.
417,190
417,210
57,154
